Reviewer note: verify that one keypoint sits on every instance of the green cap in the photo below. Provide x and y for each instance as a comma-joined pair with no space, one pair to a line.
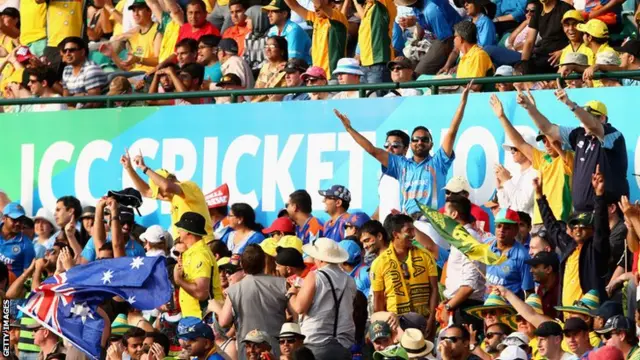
378,330
138,3
583,218
276,5
394,351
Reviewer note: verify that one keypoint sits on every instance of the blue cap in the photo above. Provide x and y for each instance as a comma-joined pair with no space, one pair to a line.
353,249
191,328
358,219
339,191
13,210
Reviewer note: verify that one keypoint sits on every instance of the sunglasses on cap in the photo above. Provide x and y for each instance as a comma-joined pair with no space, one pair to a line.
393,145
593,111
424,139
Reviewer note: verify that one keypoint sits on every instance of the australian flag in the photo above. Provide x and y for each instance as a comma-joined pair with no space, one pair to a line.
66,303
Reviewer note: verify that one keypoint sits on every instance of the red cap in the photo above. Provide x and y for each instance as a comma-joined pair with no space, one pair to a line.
606,353
23,54
283,224
218,197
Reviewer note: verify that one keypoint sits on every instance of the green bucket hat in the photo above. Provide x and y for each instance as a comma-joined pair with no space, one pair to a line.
532,300
394,351
583,218
493,301
119,326
588,303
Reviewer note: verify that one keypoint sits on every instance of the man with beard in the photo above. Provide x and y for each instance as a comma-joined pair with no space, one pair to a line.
120,221
47,266
197,339
420,175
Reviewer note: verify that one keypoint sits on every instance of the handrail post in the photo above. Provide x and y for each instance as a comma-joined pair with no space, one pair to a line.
434,89
108,103
234,98
362,93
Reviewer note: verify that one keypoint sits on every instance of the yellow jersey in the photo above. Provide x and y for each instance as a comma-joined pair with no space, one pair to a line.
198,262
33,21
192,199
64,19
142,46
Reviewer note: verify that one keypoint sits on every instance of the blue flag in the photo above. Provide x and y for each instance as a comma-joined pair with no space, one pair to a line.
66,303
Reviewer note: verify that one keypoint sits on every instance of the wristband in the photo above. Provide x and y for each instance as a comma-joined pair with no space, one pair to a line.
573,107
144,171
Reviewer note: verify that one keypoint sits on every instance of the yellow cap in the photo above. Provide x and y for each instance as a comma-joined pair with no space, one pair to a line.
594,27
268,245
596,108
153,186
573,14
290,241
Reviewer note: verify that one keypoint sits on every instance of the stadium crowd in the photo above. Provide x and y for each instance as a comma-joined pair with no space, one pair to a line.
61,48
554,276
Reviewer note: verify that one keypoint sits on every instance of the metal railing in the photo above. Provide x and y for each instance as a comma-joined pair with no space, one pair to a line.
363,89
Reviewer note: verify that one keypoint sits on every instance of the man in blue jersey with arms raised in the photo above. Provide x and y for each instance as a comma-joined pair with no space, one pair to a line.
423,175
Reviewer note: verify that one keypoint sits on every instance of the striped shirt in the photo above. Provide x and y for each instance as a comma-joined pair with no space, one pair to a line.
90,77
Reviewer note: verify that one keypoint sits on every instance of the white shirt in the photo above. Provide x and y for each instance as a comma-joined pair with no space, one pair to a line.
389,193
405,92
48,107
517,192
463,272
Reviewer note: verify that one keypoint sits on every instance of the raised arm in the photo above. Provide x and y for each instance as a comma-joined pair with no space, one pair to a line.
512,133
590,122
601,230
450,137
632,221
99,234
138,183
556,230
523,309
380,155
547,127
297,8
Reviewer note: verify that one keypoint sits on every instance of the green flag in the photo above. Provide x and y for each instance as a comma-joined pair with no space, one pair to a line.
456,235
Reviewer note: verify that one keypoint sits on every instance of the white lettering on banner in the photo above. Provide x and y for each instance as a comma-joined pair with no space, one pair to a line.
149,148
275,170
209,164
26,176
477,135
58,151
317,170
97,149
171,149
245,144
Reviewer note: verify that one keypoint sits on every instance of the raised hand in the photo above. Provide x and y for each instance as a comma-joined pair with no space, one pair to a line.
138,161
343,118
70,228
597,181
125,160
537,185
496,105
628,209
466,91
561,93
526,100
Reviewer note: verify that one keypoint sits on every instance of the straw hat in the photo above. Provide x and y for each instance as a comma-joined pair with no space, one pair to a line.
589,302
493,301
416,346
532,300
327,250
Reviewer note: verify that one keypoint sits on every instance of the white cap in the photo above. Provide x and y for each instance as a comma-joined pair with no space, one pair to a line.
457,184
504,70
514,339
529,139
45,214
154,234
512,353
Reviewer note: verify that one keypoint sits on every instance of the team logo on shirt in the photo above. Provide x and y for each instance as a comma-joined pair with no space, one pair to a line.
580,144
506,269
16,249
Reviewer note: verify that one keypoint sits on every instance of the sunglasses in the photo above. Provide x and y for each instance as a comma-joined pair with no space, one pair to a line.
608,335
453,339
393,145
513,150
424,139
405,271
530,11
275,233
447,193
485,313
70,50
313,80
287,341
348,226
176,253
579,226
490,335
397,68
